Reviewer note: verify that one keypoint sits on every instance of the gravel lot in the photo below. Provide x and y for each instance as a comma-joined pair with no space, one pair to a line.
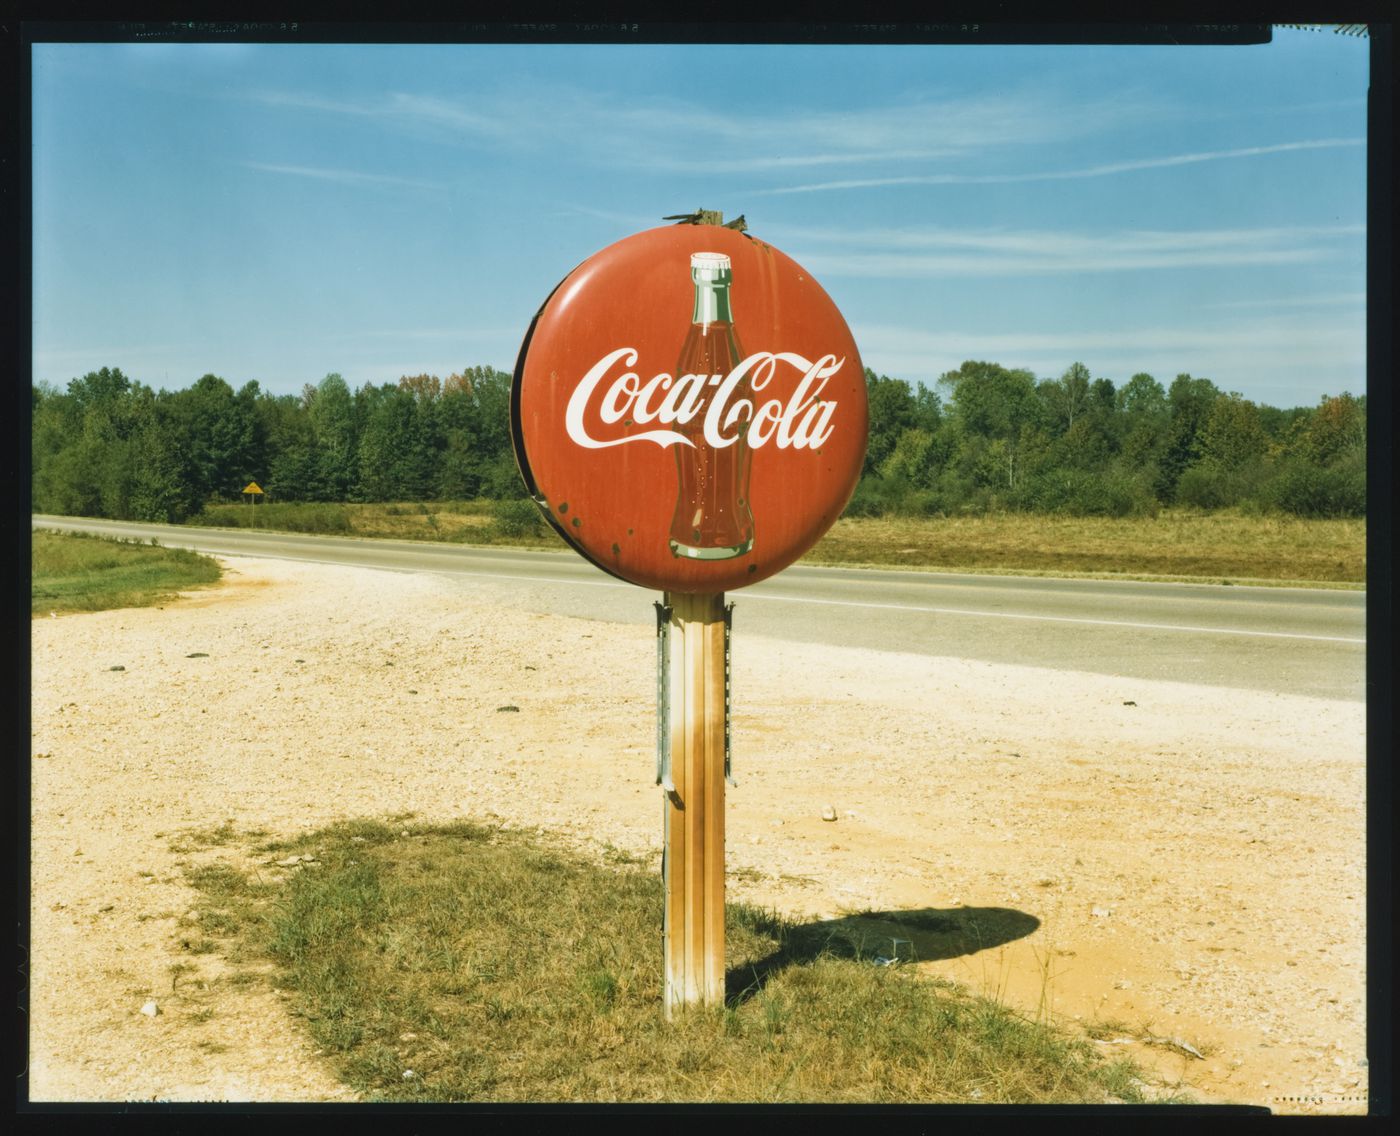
1192,858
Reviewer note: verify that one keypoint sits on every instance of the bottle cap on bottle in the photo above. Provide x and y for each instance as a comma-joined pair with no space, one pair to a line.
709,267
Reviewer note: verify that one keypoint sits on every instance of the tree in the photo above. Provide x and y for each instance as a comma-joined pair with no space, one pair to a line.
1102,397
1189,402
253,457
333,414
396,452
475,454
87,470
1283,426
1141,396
288,458
1143,416
426,433
928,409
1066,397
98,388
163,485
1086,445
456,475
54,423
910,462
1232,434
1336,427
997,406
892,410
424,388
220,432
61,481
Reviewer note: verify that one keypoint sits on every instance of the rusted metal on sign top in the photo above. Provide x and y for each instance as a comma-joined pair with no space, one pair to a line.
689,409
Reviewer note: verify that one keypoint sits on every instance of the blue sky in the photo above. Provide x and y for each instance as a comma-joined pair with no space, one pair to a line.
278,212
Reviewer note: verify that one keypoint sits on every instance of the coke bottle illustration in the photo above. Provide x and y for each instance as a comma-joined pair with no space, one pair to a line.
713,520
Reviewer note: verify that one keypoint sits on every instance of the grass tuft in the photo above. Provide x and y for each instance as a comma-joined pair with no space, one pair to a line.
514,522
197,839
1226,545
306,517
1176,544
81,572
466,963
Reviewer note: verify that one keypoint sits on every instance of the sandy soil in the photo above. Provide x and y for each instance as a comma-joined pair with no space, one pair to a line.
1189,861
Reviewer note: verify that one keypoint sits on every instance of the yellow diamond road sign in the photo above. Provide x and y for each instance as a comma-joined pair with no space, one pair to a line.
253,487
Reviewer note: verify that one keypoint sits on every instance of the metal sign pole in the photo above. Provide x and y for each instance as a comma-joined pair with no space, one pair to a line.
692,769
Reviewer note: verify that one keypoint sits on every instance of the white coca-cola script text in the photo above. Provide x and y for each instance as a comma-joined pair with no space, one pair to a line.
802,421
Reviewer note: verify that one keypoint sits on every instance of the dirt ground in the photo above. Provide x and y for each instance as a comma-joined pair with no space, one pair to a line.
1183,867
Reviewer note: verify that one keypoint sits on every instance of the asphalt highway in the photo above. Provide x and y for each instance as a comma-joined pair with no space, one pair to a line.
1287,640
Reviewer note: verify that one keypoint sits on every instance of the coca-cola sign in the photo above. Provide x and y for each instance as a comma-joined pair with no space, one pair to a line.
805,420
662,449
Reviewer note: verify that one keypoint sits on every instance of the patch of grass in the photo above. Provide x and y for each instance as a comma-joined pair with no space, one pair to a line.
466,963
307,517
80,572
1104,1029
196,839
1175,544
514,522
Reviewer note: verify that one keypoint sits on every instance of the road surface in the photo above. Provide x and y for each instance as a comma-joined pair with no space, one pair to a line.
1287,640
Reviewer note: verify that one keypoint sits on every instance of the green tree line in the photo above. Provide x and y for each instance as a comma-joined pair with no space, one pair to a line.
108,446
984,438
990,438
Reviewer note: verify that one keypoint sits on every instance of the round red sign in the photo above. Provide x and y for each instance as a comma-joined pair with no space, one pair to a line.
689,409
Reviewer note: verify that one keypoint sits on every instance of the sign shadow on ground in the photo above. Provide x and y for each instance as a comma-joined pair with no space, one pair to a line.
923,934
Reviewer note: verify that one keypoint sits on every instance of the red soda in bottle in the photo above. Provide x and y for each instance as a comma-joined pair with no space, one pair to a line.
713,520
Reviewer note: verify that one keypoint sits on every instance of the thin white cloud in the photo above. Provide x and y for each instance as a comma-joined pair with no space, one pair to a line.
66,355
613,216
893,266
144,362
782,140
1105,170
430,334
1290,110
1254,335
932,252
1047,242
344,177
675,134
1326,300
396,107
